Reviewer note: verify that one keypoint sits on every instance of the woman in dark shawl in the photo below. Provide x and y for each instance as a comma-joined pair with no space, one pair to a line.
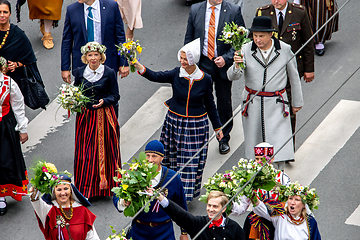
17,49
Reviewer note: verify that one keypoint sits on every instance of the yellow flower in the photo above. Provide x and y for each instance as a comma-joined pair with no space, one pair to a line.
125,187
51,167
134,61
139,49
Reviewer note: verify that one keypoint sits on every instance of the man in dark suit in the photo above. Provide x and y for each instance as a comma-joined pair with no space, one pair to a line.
106,19
295,30
217,60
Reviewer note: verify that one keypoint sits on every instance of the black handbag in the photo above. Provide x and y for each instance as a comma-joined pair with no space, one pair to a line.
33,91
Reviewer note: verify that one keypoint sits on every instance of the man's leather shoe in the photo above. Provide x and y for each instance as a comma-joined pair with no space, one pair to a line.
320,52
224,147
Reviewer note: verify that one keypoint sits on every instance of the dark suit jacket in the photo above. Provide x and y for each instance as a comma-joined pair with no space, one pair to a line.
75,35
196,29
296,23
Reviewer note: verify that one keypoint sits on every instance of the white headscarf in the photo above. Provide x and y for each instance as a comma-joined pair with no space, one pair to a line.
192,51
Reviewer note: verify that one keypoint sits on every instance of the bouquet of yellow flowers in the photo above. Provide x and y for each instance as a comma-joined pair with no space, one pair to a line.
72,98
235,35
119,236
134,182
46,176
129,49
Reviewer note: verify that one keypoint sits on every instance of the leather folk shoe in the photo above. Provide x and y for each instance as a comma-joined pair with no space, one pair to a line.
3,210
224,148
47,40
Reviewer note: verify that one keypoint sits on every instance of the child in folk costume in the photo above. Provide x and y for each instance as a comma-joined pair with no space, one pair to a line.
262,150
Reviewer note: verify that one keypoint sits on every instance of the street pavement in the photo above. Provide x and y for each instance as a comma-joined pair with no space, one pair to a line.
327,144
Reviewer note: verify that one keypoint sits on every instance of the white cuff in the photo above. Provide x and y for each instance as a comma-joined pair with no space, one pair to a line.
164,203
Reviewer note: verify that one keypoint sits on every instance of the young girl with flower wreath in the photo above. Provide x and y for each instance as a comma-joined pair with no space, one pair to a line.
298,221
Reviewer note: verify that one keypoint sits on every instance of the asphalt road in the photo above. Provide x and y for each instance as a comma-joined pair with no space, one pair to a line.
162,36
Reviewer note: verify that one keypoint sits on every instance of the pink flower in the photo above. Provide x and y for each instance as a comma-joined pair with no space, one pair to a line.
44,169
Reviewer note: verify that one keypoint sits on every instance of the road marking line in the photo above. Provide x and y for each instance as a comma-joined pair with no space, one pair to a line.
327,139
44,123
354,218
144,123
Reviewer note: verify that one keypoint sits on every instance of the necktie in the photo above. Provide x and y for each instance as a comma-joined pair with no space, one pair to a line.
281,21
90,25
211,35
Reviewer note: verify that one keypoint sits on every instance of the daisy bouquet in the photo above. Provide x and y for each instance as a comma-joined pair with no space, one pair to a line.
235,35
226,183
308,195
130,49
119,236
46,176
134,182
72,98
246,169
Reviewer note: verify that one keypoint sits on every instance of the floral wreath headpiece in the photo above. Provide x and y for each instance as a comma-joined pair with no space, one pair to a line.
93,47
3,61
308,195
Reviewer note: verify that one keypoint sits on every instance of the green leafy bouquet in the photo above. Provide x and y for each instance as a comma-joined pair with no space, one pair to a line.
265,179
134,182
235,35
120,236
129,49
225,183
46,176
72,98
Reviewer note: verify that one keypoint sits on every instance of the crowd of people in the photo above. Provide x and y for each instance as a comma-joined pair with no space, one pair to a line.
272,96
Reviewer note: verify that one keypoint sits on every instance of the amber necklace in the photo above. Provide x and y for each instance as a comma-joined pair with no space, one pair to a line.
71,212
295,221
5,37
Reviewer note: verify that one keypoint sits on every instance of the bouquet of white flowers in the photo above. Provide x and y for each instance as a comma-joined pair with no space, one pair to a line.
72,98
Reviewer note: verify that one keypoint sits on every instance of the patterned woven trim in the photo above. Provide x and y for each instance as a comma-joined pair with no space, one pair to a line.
158,153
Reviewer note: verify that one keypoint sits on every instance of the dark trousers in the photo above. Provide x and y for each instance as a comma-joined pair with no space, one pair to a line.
222,92
292,115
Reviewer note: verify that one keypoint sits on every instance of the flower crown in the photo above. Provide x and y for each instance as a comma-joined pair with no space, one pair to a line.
308,195
93,47
3,61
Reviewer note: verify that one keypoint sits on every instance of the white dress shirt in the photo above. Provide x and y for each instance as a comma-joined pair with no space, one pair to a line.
93,75
297,1
207,20
96,19
277,11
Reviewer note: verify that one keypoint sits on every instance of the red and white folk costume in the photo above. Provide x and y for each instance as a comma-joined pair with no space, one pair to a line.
13,174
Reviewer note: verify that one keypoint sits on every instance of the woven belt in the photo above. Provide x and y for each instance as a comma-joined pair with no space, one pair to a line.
153,224
264,94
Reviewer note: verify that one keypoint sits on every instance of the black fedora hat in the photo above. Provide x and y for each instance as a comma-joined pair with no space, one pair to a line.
262,24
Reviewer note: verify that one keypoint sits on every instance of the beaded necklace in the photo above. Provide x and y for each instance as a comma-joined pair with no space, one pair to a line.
71,212
4,39
295,221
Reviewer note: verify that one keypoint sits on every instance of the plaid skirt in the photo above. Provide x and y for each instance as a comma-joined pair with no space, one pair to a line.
97,151
182,138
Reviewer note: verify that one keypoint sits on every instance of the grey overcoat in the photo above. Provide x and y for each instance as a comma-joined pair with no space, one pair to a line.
265,120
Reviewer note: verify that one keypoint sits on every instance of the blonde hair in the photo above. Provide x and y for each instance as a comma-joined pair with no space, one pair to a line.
215,194
85,61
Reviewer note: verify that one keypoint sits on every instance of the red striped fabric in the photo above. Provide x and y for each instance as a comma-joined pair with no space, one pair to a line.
211,35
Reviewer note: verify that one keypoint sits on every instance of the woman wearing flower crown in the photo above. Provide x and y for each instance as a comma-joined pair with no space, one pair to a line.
97,133
63,214
186,126
13,124
298,221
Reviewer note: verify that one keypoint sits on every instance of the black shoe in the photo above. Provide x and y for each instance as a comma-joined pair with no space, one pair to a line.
289,161
320,52
224,147
3,210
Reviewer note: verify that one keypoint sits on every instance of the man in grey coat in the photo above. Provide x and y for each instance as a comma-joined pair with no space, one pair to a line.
266,118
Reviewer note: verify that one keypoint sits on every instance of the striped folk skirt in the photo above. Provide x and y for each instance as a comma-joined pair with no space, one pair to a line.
319,12
97,151
182,138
